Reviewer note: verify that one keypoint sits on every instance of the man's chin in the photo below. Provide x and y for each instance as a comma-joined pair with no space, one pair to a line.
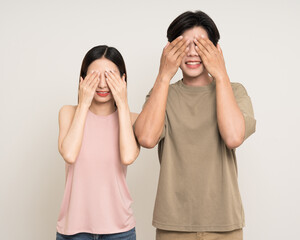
192,75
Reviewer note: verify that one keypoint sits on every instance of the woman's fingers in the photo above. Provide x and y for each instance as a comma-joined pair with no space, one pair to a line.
117,80
111,82
94,78
95,83
86,81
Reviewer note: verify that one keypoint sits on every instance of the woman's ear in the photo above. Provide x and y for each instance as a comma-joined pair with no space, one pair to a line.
123,77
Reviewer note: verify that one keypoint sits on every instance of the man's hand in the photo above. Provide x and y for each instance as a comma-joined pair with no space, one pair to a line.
172,56
212,57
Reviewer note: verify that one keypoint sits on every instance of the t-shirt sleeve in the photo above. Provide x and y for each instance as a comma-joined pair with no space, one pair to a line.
245,105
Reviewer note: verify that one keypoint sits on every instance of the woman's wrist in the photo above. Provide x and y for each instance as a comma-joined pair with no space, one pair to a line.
83,107
123,106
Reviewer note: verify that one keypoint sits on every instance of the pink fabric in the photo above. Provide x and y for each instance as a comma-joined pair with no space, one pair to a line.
96,198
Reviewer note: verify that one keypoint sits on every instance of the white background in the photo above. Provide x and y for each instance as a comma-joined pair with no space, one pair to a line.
42,46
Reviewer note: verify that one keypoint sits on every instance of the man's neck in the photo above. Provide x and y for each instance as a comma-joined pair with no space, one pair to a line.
201,80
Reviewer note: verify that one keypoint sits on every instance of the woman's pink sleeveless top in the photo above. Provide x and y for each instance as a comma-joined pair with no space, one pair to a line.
96,198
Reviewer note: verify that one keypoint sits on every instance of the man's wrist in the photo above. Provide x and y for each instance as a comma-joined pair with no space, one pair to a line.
163,78
222,78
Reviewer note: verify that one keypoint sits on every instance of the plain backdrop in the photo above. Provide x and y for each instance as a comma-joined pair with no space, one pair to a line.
42,46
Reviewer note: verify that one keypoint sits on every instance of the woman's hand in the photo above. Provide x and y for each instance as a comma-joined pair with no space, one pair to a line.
212,57
117,85
172,56
87,88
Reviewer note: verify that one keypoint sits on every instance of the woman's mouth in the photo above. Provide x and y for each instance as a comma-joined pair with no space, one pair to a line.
102,93
193,64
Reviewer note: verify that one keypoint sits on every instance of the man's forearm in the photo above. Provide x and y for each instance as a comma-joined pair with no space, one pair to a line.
230,119
149,124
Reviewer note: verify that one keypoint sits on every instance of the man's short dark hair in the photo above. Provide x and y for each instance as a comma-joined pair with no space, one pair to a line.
188,20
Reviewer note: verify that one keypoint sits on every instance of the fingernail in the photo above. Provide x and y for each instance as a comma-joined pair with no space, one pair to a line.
180,37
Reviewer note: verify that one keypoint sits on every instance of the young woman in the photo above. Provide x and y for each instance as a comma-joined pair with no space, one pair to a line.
97,142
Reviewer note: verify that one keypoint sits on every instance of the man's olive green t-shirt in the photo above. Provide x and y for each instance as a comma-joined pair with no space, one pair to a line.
198,188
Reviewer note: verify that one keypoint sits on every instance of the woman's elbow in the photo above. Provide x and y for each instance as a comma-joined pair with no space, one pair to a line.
69,158
127,160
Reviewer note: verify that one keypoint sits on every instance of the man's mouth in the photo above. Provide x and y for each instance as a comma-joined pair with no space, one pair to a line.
193,63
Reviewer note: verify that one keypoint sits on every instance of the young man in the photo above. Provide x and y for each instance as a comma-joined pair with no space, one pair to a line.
197,122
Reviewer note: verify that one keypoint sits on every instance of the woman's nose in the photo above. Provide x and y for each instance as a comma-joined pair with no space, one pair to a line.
102,82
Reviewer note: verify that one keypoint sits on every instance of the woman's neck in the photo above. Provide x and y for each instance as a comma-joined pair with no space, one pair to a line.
103,109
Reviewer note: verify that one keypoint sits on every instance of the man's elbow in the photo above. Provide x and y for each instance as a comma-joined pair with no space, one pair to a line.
147,142
234,141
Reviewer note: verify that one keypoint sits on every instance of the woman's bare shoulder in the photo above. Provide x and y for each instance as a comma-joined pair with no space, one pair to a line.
67,110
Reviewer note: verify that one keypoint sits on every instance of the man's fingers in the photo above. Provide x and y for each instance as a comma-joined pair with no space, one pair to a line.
180,57
201,50
178,46
168,43
210,47
182,49
220,50
174,43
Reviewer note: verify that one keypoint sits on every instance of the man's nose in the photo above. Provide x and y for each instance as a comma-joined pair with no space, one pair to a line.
192,50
